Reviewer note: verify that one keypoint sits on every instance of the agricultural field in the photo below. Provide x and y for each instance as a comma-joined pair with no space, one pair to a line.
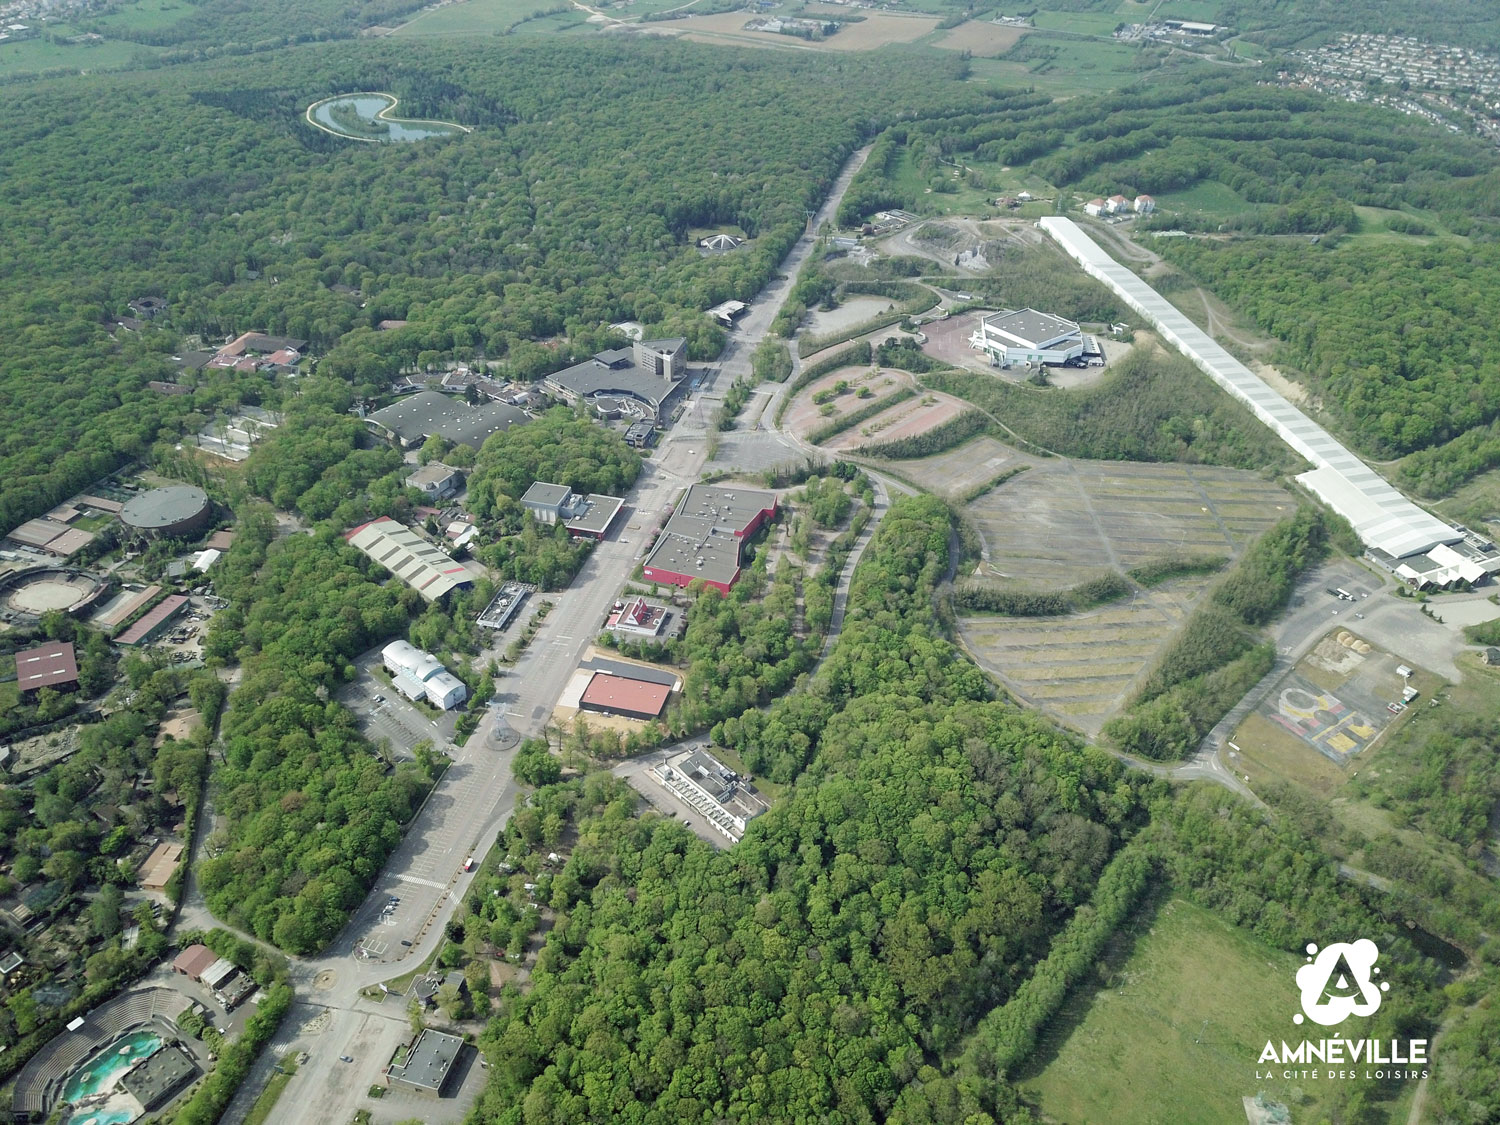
1187,1005
982,39
1062,523
473,17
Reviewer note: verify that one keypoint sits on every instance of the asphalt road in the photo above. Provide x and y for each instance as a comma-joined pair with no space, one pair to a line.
475,798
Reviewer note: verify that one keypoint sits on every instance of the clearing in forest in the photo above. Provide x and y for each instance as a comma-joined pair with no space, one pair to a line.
1061,523
1188,1003
806,414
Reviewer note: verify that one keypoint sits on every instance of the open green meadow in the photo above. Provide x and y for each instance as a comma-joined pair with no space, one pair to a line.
32,56
1058,63
475,17
143,15
1081,23
1175,1034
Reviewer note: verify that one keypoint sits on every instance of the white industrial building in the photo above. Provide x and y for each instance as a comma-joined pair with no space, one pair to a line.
409,557
1383,518
420,675
1015,337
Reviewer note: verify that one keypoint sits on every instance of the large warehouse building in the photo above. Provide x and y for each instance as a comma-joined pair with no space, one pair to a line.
415,419
1014,337
705,537
420,675
1384,519
409,557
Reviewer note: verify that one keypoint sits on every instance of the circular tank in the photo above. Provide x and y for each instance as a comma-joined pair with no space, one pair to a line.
176,510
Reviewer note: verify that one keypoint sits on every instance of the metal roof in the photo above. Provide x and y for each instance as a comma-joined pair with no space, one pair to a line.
146,625
46,665
621,693
595,514
1029,328
1382,517
409,557
429,412
165,507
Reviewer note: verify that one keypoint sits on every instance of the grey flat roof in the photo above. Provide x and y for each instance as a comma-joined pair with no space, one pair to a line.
1381,516
163,507
707,526
151,1080
545,494
431,1058
430,474
1031,328
430,412
631,671
599,512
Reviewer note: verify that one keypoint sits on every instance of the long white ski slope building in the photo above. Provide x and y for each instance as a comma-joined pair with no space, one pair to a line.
1386,520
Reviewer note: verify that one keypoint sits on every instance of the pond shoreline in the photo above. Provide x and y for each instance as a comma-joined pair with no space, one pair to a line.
384,116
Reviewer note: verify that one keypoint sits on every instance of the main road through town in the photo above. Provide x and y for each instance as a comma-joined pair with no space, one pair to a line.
332,1019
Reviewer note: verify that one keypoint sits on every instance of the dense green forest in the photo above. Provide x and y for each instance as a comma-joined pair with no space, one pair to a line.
1400,341
312,812
569,207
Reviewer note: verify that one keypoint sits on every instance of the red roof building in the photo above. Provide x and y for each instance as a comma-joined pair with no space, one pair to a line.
705,538
166,609
194,961
620,695
51,665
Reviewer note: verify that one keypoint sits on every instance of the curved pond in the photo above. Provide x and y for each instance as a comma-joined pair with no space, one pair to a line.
367,117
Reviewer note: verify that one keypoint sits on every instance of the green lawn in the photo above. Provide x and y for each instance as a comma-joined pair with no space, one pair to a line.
10,694
33,55
1181,1025
1084,23
1064,64
1208,197
474,17
143,15
1204,11
260,1112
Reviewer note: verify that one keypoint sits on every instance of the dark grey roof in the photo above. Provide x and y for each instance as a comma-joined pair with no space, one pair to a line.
615,372
431,1058
164,507
631,671
702,537
546,495
429,412
194,361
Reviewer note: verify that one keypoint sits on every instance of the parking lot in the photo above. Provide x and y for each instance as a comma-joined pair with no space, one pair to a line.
385,716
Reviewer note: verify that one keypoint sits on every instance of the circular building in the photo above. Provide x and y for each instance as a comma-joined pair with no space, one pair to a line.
175,511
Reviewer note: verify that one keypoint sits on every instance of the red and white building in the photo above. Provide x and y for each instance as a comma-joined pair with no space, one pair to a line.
705,538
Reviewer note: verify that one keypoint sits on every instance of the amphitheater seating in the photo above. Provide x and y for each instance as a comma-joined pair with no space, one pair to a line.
41,1079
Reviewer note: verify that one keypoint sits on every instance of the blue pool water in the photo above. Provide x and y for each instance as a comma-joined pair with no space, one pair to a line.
100,1072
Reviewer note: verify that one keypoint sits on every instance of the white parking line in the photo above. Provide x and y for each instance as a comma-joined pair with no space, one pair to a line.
425,882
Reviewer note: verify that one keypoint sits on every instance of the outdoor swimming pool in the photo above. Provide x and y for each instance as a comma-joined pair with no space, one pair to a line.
101,1071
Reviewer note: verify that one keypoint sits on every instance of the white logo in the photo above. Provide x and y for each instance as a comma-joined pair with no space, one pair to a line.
1337,984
